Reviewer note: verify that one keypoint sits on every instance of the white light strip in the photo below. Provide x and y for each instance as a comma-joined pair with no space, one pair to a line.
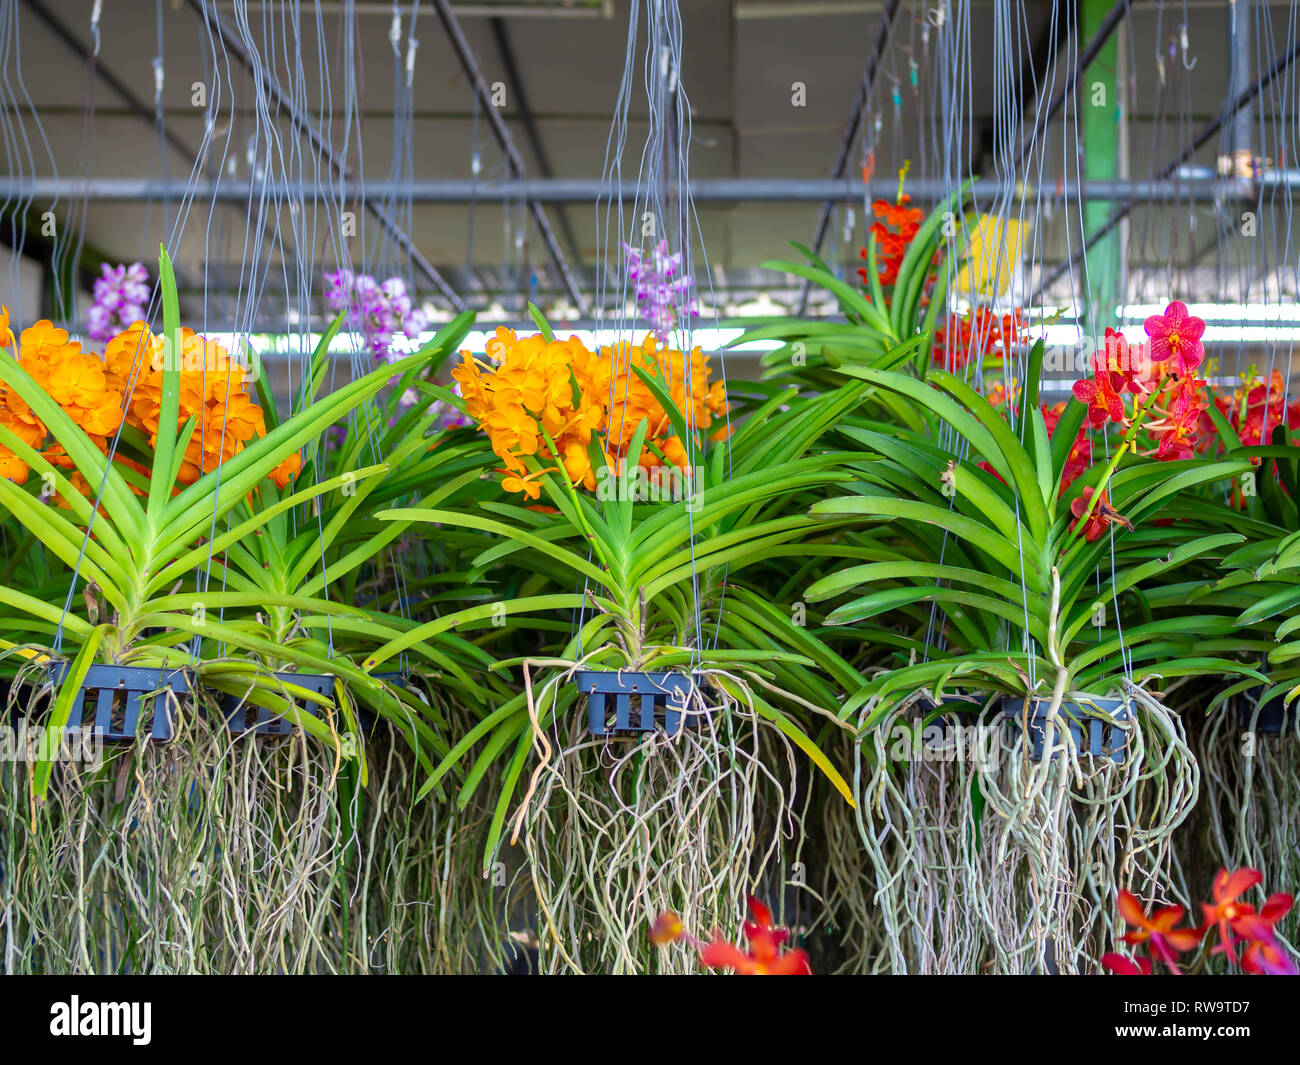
708,339
1220,312
1070,336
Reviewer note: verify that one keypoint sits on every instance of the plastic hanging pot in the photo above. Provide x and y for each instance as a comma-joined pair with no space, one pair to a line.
242,716
21,694
951,711
1273,718
627,701
1090,733
120,703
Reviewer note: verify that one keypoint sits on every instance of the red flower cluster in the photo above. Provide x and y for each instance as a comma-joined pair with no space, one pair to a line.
1255,410
1237,923
1080,456
1180,406
891,243
1160,375
978,333
763,958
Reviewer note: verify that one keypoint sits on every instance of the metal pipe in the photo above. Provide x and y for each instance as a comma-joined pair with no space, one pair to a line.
720,191
1240,60
502,134
883,33
271,85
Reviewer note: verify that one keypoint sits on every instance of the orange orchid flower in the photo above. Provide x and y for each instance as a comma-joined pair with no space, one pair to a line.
534,397
1157,931
668,928
287,470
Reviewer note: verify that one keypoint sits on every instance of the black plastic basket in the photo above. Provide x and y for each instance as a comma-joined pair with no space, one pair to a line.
1091,734
242,716
1274,719
112,700
625,701
953,711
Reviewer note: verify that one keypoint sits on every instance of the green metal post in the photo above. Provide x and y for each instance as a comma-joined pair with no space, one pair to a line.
1102,129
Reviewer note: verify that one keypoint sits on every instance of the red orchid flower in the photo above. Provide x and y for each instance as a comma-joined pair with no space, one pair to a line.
1267,958
1227,909
1120,965
764,957
1165,941
1132,362
1101,394
1176,431
1176,338
1080,456
891,248
1260,927
1103,515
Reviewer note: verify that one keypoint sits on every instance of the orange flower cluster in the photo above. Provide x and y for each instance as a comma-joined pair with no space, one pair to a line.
213,391
527,392
90,390
78,381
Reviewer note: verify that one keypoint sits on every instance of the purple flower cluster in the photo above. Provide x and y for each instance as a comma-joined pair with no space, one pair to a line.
382,311
121,298
659,288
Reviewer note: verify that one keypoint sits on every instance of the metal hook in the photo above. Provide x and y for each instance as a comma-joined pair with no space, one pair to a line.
395,32
94,24
411,45
1182,43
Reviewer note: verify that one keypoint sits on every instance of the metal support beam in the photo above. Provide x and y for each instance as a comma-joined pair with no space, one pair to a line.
1210,129
883,32
719,191
271,86
470,65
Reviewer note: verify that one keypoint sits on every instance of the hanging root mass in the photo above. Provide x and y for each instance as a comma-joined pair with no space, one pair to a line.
618,830
977,857
233,854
